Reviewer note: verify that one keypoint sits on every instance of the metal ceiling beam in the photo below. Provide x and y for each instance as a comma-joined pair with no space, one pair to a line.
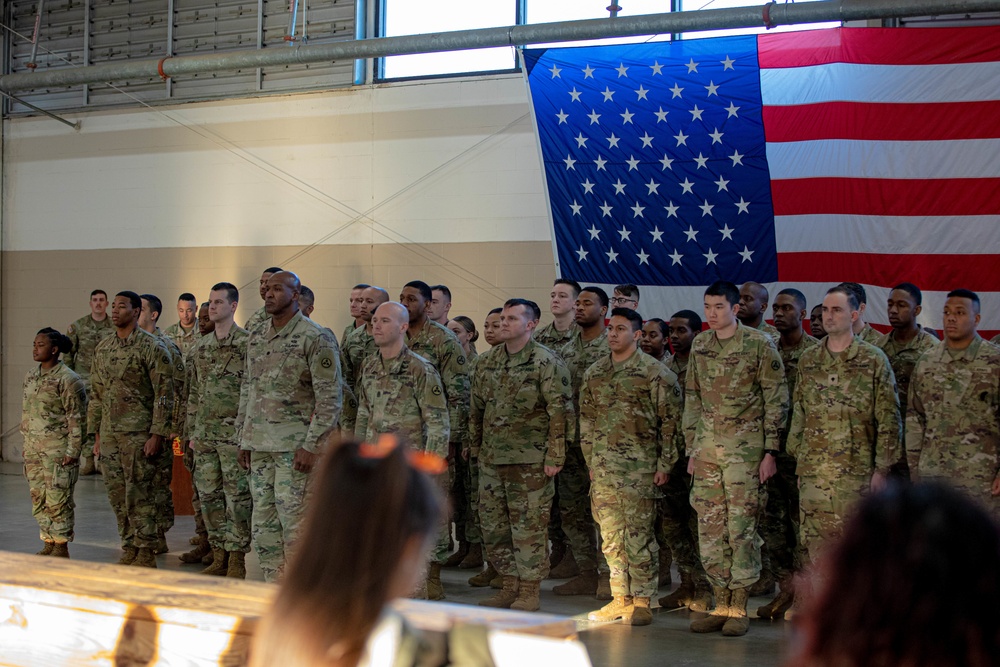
772,14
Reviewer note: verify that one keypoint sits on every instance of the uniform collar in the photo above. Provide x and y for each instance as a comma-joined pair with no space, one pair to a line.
852,350
968,354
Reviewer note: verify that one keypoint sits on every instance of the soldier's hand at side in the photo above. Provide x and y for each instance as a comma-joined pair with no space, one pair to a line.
768,468
452,448
690,466
69,461
661,478
878,481
97,445
995,487
552,471
152,446
303,461
243,458
465,453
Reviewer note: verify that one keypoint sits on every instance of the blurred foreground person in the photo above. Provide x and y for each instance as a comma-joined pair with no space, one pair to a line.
376,513
912,581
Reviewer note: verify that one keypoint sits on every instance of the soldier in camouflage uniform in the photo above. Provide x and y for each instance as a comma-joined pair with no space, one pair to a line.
754,298
521,410
291,394
589,345
862,329
260,318
735,407
845,429
84,335
356,303
130,412
678,521
779,526
359,346
52,423
816,322
307,304
953,411
630,407
216,367
185,333
400,392
906,343
655,334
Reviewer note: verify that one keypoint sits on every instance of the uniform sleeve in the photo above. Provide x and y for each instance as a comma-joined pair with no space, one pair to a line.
74,339
557,392
669,405
796,431
364,413
916,419
243,414
180,379
455,379
692,406
887,418
161,376
434,412
588,417
74,401
94,406
193,399
323,359
771,377
477,406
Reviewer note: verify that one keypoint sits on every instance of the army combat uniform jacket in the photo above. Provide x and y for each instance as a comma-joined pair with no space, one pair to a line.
184,340
903,358
216,369
85,334
440,346
54,412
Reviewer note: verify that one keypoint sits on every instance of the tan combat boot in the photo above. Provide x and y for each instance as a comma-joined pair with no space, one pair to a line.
777,607
619,608
47,549
483,579
666,560
459,555
682,596
474,559
128,555
87,466
237,568
738,622
435,591
641,613
161,543
505,597
145,558
60,550
702,600
565,567
195,555
220,563
604,586
584,583
527,596
714,621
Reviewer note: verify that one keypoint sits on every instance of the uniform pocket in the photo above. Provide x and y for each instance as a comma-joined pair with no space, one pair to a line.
64,477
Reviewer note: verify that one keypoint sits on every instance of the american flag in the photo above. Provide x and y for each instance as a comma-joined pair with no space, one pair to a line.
796,160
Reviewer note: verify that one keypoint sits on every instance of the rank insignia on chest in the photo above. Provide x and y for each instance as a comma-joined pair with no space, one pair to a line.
833,379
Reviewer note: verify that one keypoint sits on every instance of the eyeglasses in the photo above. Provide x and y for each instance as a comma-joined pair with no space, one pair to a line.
426,462
619,300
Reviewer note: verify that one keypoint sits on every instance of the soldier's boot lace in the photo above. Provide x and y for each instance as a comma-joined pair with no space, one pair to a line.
681,597
584,583
60,550
504,597
527,596
195,555
620,607
474,559
128,555
666,560
456,558
145,558
435,591
641,613
197,539
777,607
237,568
702,600
220,563
483,579
47,549
717,619
565,567
738,622
603,586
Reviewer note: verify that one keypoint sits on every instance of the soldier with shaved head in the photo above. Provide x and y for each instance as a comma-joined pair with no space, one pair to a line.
359,344
754,298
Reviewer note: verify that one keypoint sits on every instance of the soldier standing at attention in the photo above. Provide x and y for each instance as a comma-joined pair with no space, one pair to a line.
862,329
439,307
816,322
54,410
586,347
678,522
307,305
779,526
400,392
356,302
754,298
290,395
625,296
735,405
630,406
360,345
521,409
185,334
216,366
84,335
845,425
655,334
953,411
130,413
260,316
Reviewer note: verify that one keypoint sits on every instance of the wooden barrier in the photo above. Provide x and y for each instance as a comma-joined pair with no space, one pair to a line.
64,612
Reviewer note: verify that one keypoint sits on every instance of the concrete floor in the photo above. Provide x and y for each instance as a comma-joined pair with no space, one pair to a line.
666,641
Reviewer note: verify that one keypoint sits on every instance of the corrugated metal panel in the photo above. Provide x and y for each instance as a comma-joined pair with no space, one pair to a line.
74,33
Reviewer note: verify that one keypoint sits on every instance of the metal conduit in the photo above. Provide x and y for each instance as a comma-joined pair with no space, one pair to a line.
772,14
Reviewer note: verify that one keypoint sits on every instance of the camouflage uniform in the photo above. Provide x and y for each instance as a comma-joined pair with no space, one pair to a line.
358,347
520,414
903,358
574,480
629,412
779,526
769,329
869,334
216,370
291,394
404,396
348,330
470,469
184,340
54,410
953,419
259,318
735,407
163,496
845,426
133,393
85,334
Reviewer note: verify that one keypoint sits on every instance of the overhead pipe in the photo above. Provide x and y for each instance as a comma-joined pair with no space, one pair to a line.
769,15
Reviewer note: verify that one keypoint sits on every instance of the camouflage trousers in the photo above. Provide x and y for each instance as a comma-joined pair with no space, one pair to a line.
128,477
441,549
163,497
626,512
279,494
199,519
779,525
51,485
574,509
514,508
224,490
473,531
458,496
977,486
728,499
825,506
678,522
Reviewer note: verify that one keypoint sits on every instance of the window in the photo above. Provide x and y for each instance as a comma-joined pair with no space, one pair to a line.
688,5
549,11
